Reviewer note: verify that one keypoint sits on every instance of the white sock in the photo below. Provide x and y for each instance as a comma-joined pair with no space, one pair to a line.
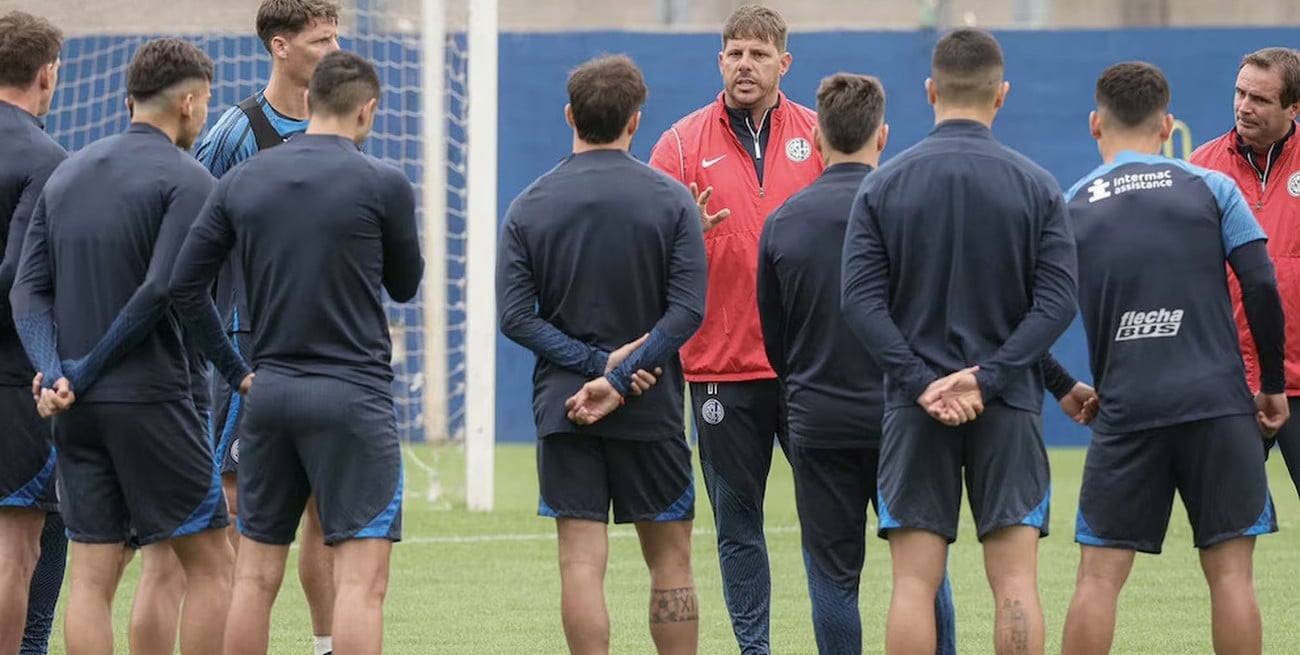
324,645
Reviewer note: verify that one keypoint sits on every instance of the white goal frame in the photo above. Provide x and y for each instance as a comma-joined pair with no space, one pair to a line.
481,237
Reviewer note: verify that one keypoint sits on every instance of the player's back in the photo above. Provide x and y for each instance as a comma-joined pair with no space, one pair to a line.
28,158
321,229
599,231
964,220
104,208
1152,239
834,385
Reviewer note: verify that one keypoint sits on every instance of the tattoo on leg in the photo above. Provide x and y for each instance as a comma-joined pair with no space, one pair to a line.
673,605
1016,621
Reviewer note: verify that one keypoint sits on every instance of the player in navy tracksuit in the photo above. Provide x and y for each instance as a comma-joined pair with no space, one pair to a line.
958,255
1153,234
596,253
90,304
320,230
832,385
29,61
296,34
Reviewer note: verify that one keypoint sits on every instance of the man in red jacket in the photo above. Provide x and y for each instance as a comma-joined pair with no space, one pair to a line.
742,156
1262,153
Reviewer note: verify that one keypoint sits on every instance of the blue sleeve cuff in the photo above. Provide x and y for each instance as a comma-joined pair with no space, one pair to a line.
40,339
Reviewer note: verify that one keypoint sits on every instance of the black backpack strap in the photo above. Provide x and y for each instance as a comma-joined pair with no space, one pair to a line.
265,134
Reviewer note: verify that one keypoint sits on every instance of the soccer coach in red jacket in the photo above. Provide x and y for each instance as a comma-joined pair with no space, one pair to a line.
1262,153
742,156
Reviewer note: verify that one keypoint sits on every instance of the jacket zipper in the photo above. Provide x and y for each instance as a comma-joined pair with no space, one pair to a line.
758,148
1262,175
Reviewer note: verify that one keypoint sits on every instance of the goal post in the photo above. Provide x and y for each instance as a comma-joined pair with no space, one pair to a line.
480,265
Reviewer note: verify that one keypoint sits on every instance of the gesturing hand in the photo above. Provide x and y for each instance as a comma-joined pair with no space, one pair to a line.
707,220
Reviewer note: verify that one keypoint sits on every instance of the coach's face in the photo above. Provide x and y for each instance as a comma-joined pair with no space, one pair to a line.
304,49
1261,117
751,72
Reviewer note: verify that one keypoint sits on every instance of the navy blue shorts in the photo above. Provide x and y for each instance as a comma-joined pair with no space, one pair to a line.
322,435
1001,454
139,472
26,453
228,410
581,475
1216,465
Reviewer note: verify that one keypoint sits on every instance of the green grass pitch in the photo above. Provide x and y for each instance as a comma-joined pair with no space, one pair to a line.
470,583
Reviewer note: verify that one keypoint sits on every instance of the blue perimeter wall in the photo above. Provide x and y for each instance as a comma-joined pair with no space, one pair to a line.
1051,73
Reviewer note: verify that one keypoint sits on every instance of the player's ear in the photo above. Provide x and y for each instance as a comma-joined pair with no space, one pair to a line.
279,47
882,137
46,75
568,116
130,107
187,106
368,112
929,91
1001,98
786,60
1166,127
1094,124
634,123
817,142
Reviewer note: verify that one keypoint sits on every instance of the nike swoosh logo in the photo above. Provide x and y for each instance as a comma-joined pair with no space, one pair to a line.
709,162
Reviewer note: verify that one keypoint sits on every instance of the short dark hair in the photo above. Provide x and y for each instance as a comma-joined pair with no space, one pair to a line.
1132,94
604,94
27,43
756,22
1287,62
967,67
341,83
850,108
278,17
163,63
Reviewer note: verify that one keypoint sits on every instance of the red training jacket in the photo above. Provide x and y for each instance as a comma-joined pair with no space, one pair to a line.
1276,203
702,148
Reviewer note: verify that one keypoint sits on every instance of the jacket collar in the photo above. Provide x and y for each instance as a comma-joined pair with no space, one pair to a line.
962,127
774,117
1235,144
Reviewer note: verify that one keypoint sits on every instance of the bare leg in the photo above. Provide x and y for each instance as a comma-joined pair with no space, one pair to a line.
361,581
1011,564
93,572
1090,623
919,559
156,614
674,609
1229,569
208,560
316,571
584,552
259,570
20,547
